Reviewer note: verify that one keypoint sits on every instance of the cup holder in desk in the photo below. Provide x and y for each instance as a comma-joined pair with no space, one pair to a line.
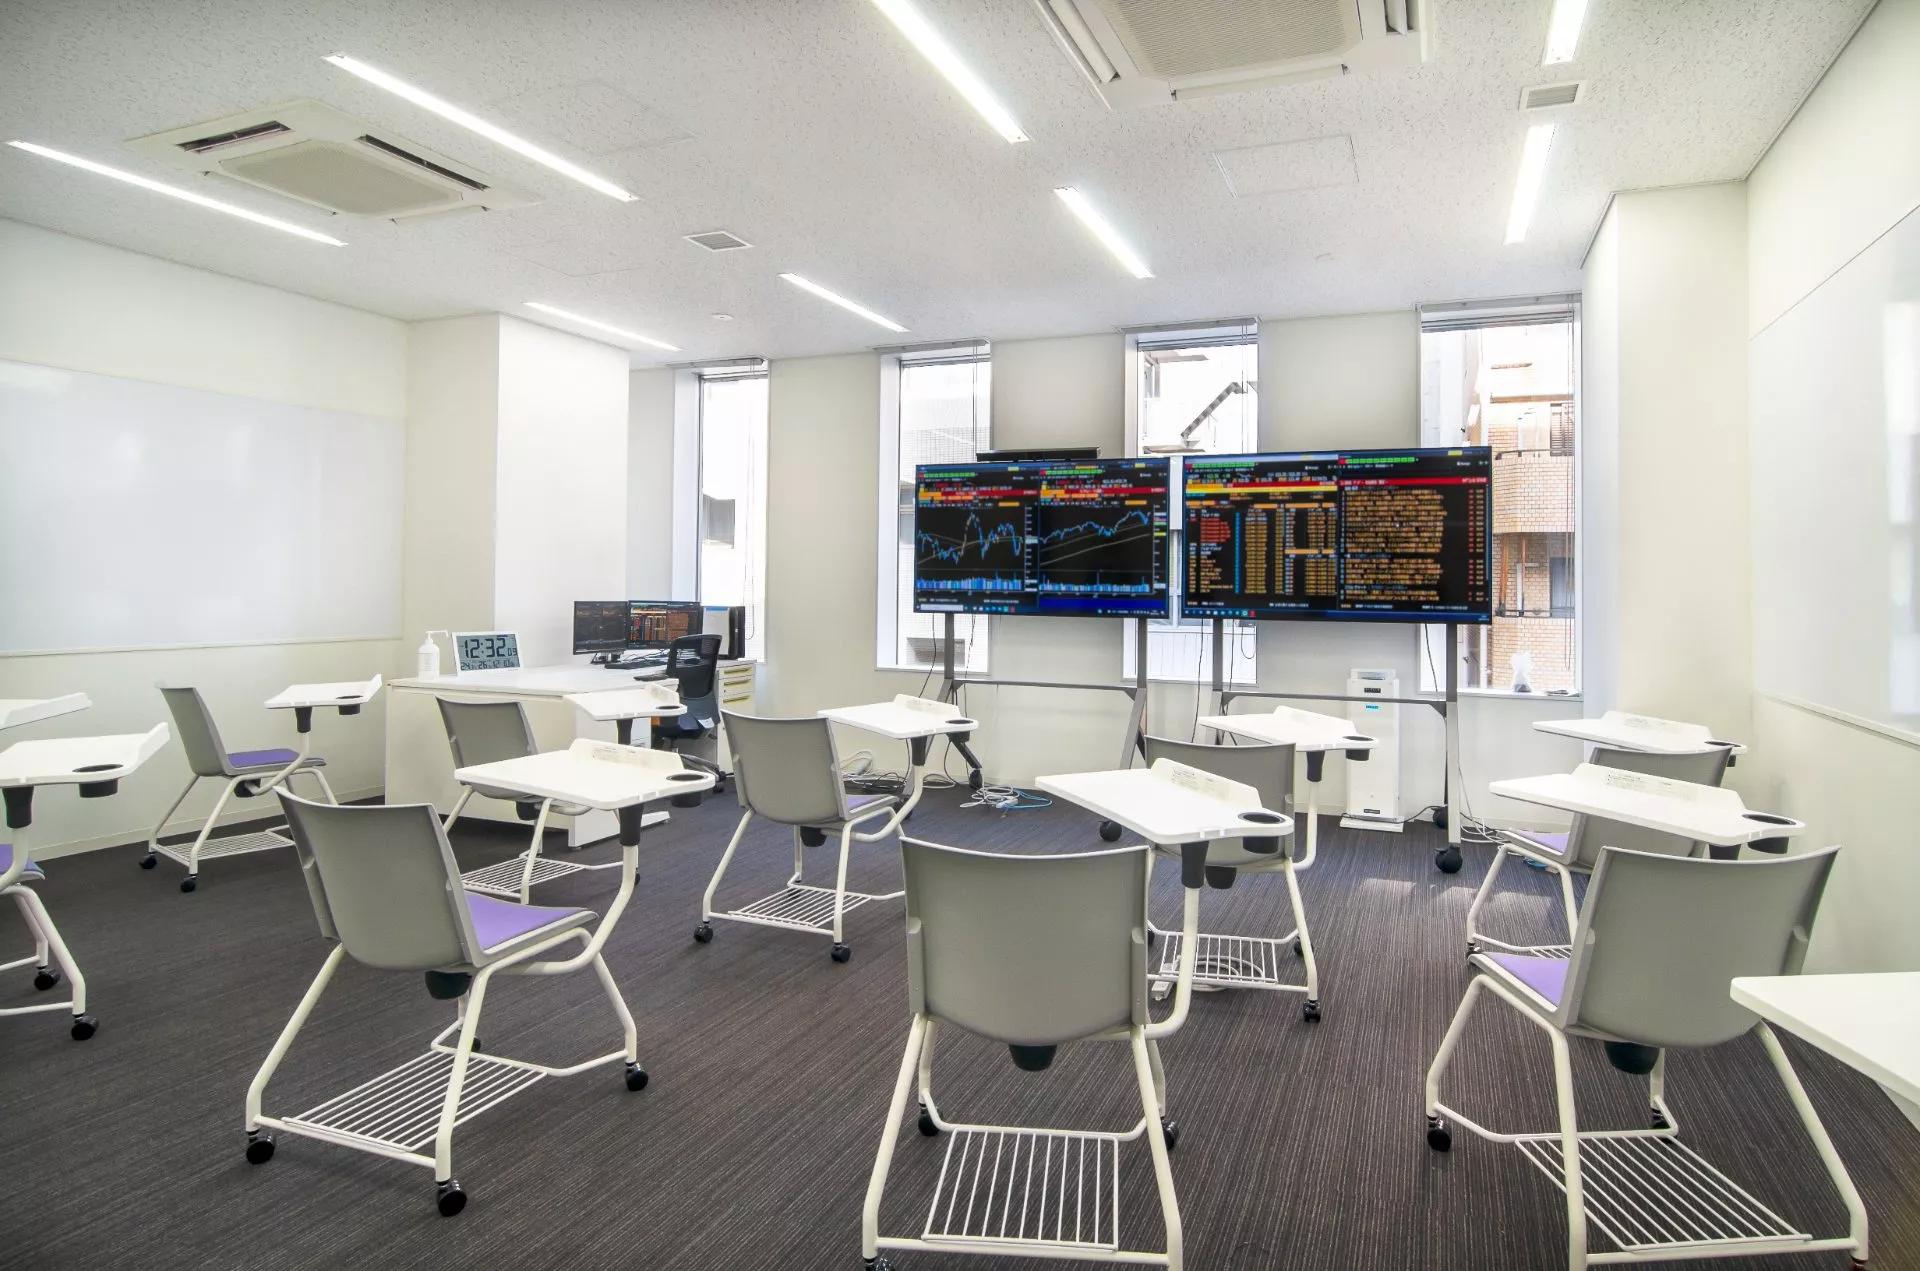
349,704
686,776
961,723
1768,818
1359,737
1262,818
98,789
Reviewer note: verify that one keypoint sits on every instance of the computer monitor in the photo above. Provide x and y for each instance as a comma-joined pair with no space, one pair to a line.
655,624
599,626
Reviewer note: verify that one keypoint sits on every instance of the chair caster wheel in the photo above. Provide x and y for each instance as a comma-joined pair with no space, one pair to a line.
1310,1011
45,978
1299,948
1170,1131
842,952
884,1264
259,1148
1110,831
1659,1121
1153,937
703,934
636,1078
1447,860
84,1026
188,883
451,1198
928,1126
149,861
1439,1137
1473,947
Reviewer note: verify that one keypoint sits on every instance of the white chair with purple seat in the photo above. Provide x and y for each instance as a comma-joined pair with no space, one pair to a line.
1575,850
1657,946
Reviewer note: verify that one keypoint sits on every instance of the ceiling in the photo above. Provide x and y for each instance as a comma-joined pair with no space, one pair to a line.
814,131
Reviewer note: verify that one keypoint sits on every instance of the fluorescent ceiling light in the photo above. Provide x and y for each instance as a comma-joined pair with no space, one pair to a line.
473,123
1104,231
834,297
1526,188
175,192
632,336
1563,30
935,49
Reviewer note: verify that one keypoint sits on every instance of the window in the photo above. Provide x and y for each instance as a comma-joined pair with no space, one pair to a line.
1193,390
733,498
940,404
1506,375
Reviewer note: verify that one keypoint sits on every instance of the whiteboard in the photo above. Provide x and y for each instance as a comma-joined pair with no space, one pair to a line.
138,515
1834,392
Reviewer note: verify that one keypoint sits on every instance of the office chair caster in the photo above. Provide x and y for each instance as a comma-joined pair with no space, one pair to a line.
1110,831
703,934
928,1126
451,1198
84,1026
259,1147
1447,860
636,1078
1310,1011
149,861
841,952
188,883
1439,1137
1170,1131
45,978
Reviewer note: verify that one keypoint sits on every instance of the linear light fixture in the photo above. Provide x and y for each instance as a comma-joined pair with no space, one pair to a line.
175,192
1563,30
934,47
834,297
1104,231
1526,187
473,123
632,336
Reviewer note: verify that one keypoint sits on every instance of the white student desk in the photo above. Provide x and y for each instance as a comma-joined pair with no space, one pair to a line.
914,720
95,764
1308,732
420,763
1648,734
15,711
1704,814
1870,1022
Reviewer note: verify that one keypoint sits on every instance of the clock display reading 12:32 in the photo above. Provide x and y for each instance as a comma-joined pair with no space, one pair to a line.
485,650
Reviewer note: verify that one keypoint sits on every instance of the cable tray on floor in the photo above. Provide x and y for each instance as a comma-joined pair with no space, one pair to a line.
229,845
798,905
504,879
1251,962
1048,1189
400,1109
1652,1192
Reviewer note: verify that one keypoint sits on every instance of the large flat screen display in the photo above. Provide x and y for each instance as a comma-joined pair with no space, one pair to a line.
1077,537
1361,535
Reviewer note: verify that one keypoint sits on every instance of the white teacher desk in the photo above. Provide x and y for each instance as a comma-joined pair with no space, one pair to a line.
420,763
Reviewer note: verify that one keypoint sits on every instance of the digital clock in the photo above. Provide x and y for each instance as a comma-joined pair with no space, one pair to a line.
485,651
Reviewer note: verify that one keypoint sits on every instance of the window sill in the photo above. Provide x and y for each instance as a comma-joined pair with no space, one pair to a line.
1507,695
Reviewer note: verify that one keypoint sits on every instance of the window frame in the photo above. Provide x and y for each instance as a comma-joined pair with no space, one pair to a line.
755,649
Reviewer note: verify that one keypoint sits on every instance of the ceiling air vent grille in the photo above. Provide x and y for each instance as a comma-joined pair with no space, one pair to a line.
718,240
408,156
200,145
1550,96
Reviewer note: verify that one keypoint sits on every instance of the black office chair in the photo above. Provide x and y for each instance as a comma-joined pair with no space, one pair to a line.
693,664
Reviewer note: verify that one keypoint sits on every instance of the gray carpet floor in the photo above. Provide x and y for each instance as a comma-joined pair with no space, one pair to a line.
1302,1143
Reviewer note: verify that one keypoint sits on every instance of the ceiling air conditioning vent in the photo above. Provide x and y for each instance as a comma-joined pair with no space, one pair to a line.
1551,96
328,159
718,240
1137,52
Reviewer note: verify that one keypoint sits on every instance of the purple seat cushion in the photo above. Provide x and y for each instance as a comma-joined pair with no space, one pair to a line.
241,760
857,801
1545,976
495,922
6,863
1556,843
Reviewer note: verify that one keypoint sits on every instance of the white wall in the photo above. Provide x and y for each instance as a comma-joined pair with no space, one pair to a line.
560,484
453,401
1844,171
650,479
82,306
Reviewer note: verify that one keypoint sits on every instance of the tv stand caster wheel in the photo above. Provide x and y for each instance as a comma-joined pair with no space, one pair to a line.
1170,1131
149,861
974,782
84,1026
841,952
1110,831
1310,1011
451,1198
928,1126
636,1078
259,1148
703,934
1447,860
1439,1137
45,978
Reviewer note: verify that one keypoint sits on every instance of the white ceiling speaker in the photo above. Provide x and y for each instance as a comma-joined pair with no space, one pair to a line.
1137,52
327,159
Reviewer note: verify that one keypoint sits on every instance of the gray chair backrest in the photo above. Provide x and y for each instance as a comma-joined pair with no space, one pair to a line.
1660,939
1265,767
786,770
485,732
1027,950
193,724
383,882
1588,834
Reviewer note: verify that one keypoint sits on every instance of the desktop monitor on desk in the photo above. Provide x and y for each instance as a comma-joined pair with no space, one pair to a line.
599,626
656,624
